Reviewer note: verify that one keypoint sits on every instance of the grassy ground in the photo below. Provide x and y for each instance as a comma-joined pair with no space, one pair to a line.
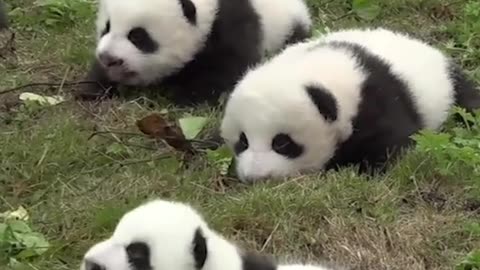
75,189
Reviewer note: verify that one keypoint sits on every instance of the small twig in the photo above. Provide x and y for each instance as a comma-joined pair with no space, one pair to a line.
105,94
348,14
134,162
115,132
207,189
129,144
296,179
44,84
199,143
454,3
64,79
269,237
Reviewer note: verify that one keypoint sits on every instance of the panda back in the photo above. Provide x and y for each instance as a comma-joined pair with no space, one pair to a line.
424,69
282,21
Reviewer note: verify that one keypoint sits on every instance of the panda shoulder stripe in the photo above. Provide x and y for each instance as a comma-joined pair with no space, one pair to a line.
380,76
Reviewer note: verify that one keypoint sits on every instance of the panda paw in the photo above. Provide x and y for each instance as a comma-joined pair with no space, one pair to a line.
94,91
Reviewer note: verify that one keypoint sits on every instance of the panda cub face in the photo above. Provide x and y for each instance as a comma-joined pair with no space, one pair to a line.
288,115
139,42
155,236
277,139
275,128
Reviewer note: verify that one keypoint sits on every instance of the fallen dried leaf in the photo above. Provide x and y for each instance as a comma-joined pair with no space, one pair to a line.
42,100
19,214
155,126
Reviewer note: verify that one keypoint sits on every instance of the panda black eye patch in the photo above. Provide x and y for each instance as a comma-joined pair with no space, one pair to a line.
138,254
106,29
142,40
90,265
284,145
241,145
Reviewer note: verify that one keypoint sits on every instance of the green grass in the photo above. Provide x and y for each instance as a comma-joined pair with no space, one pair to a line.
75,188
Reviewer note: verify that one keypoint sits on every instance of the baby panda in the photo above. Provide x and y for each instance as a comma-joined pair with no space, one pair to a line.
197,49
349,98
162,235
3,17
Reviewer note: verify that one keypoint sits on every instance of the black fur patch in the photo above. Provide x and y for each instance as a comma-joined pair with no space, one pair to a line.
189,11
254,261
101,86
232,46
90,265
299,33
466,94
324,101
106,30
241,145
200,251
284,145
3,16
142,40
386,118
138,254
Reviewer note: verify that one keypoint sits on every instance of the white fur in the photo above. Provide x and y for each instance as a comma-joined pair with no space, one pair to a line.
168,228
424,68
271,98
277,20
178,40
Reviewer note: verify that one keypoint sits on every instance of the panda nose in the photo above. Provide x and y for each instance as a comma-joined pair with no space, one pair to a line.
89,265
110,61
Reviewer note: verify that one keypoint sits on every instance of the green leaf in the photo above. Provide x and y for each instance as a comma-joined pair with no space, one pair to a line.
18,226
42,100
473,228
117,149
221,159
3,230
366,9
471,262
14,264
168,165
35,242
191,126
26,253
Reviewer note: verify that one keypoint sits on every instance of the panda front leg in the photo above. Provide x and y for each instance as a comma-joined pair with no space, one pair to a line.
97,85
204,87
384,154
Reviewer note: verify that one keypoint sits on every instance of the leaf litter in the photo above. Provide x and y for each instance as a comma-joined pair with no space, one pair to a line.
182,136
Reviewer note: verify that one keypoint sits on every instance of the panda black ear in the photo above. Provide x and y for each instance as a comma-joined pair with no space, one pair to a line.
189,11
199,249
324,101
